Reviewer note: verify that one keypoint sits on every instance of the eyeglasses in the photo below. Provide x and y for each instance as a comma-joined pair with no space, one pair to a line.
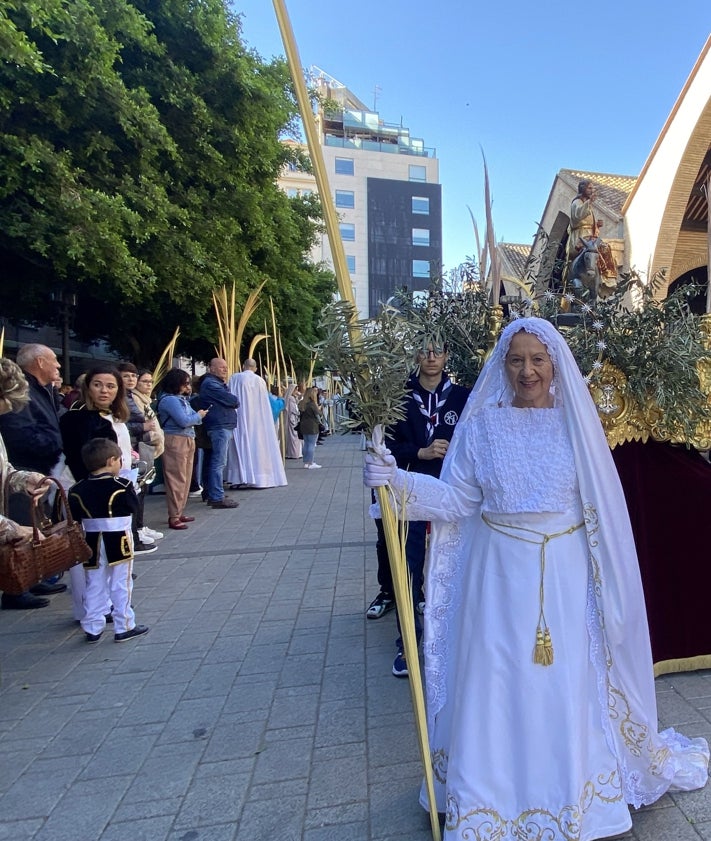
435,352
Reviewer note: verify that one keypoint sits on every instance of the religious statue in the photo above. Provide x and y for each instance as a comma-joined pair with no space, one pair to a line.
588,257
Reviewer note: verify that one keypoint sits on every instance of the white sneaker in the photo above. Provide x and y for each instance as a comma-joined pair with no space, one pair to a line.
156,535
314,466
145,538
196,493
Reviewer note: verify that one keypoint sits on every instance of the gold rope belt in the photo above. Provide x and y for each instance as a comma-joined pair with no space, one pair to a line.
543,650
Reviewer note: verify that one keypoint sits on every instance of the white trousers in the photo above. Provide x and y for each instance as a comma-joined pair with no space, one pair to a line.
106,586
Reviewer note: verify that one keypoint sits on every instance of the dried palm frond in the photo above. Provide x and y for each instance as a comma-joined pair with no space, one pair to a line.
277,360
395,529
495,260
269,358
312,364
253,345
225,312
250,305
165,362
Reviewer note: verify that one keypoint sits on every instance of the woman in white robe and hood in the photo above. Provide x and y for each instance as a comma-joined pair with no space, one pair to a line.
291,418
541,706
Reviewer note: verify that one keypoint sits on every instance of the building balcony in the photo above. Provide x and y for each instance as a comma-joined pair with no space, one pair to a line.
413,147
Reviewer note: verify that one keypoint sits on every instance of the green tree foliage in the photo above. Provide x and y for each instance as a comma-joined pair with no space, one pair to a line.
139,148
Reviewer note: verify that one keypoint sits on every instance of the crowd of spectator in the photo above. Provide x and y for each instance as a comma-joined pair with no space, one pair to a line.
163,431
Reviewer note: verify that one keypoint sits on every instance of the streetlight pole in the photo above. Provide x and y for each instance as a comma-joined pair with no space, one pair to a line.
67,302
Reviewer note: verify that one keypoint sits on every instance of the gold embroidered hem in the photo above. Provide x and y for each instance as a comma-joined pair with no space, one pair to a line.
537,824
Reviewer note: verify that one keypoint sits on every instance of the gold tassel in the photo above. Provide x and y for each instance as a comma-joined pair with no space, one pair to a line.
543,652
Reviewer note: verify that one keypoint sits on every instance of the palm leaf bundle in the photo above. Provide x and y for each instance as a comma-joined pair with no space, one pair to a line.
231,331
374,359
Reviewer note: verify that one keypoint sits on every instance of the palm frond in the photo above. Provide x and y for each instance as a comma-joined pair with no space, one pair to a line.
165,361
260,337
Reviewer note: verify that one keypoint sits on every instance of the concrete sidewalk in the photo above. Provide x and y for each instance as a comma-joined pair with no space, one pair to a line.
260,707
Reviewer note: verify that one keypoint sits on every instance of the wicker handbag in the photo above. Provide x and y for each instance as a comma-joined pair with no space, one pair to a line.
26,562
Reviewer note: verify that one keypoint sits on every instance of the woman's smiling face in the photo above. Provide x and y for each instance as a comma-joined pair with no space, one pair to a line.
530,372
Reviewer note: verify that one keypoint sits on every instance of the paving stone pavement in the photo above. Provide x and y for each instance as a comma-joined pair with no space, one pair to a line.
260,707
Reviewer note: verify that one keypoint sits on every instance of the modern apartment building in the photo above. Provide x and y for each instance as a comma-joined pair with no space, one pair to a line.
385,184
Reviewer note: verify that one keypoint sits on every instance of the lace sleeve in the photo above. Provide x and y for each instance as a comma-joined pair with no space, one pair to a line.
428,498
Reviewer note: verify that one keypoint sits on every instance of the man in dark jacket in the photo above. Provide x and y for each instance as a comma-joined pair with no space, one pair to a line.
419,443
219,422
33,442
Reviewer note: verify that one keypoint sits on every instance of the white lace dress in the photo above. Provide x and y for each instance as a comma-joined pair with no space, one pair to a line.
519,749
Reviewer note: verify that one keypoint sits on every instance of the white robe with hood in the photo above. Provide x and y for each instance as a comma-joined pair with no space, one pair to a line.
253,455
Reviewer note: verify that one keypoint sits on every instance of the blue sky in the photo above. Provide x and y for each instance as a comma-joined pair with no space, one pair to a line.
539,86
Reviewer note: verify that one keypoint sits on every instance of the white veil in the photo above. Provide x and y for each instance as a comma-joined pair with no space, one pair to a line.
650,762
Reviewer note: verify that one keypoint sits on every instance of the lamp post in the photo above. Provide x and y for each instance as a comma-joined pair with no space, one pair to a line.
67,302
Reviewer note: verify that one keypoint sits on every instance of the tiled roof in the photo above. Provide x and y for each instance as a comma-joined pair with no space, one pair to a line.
516,256
612,190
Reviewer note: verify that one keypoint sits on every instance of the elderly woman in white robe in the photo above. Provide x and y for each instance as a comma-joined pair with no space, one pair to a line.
541,706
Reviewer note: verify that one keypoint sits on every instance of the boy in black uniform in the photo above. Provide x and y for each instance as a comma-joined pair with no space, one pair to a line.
105,503
419,443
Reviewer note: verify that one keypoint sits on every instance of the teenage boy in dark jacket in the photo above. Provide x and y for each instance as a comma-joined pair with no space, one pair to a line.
419,443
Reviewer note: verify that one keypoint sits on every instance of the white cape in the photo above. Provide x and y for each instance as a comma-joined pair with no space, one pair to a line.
253,455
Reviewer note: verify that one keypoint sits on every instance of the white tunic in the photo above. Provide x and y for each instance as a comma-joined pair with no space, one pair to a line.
253,455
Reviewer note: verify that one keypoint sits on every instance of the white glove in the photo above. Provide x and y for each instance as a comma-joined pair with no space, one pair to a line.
378,470
379,466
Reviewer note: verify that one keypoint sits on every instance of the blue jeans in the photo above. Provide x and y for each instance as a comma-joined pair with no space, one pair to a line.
309,447
219,436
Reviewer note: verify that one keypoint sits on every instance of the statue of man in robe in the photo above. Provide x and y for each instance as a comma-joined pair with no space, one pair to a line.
585,225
